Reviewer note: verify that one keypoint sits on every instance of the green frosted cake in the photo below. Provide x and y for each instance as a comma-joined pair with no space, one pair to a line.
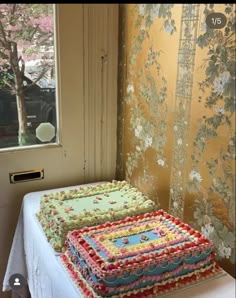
64,211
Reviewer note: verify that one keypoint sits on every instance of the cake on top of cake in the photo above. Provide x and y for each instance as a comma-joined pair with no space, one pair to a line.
63,211
150,254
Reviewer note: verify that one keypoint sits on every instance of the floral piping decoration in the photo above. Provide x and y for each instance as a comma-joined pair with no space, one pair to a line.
74,217
143,238
125,240
159,232
68,209
112,202
123,250
54,212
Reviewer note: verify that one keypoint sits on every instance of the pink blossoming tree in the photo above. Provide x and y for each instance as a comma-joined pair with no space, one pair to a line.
26,32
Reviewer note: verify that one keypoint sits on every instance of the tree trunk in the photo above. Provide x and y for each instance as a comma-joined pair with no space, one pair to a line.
24,135
21,110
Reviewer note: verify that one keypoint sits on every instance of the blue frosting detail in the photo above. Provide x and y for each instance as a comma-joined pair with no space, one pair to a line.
150,271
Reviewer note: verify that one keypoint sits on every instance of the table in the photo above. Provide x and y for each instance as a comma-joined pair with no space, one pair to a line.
34,258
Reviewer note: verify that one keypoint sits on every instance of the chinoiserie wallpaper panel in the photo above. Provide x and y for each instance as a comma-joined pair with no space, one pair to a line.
176,114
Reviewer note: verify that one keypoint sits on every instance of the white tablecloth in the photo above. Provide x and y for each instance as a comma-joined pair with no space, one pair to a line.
33,257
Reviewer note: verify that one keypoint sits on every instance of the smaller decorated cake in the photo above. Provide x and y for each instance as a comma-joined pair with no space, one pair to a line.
140,256
64,211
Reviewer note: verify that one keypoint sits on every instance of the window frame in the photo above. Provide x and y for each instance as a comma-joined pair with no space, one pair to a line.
57,142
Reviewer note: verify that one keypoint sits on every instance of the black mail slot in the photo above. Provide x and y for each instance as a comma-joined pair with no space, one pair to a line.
26,176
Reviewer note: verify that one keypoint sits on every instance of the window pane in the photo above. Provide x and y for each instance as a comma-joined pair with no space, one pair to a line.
27,75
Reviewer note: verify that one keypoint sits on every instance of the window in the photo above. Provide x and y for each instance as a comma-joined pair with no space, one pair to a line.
27,75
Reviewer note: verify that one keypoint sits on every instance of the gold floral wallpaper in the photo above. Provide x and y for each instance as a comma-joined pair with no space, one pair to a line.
176,114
